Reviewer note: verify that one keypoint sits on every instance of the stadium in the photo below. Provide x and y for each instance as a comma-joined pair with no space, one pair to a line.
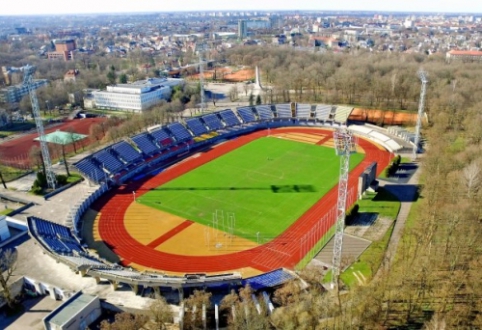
222,200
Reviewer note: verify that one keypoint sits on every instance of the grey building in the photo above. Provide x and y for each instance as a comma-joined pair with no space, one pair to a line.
77,312
14,94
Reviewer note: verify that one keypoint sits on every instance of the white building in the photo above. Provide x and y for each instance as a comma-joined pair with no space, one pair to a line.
137,96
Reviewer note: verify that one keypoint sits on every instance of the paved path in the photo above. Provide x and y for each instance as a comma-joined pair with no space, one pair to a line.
406,193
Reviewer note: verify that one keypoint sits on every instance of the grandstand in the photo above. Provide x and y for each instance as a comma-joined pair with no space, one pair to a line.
179,132
269,280
145,144
302,111
323,111
246,114
108,161
264,112
229,118
161,137
342,113
126,152
213,122
196,126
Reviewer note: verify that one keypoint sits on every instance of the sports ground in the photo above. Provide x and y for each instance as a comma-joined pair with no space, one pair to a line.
243,205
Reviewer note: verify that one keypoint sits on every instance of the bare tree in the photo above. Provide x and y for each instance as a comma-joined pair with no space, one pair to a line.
471,175
161,313
8,263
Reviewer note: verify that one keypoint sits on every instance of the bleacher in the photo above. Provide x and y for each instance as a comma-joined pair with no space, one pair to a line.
162,137
196,126
55,237
145,144
107,160
212,122
179,131
283,110
264,112
126,152
90,170
303,110
323,111
230,118
246,114
342,113
268,280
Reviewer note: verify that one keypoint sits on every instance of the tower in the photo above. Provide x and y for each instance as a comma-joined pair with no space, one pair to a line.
242,28
421,105
28,81
344,146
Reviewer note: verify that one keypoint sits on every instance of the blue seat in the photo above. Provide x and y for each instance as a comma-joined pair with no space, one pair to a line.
90,170
268,280
264,112
246,114
126,152
145,144
229,118
179,131
213,122
284,110
162,137
196,126
108,161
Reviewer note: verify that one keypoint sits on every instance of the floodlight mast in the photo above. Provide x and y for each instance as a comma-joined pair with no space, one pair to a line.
201,80
421,105
28,81
344,146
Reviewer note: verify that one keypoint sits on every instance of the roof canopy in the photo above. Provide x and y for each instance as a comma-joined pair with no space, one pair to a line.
63,138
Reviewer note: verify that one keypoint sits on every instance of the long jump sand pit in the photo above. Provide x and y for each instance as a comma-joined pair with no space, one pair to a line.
199,240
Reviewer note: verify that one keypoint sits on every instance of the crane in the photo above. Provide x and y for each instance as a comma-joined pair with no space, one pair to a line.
28,72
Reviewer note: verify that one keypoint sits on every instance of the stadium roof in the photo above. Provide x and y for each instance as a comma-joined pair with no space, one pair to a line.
64,138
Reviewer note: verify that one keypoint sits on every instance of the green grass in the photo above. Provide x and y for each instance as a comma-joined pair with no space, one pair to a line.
369,261
74,177
381,202
11,173
268,184
5,211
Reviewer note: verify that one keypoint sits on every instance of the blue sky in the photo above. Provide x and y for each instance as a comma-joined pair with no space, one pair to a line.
28,7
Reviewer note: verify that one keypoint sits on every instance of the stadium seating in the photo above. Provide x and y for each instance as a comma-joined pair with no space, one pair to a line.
283,110
323,111
55,237
196,126
303,111
145,144
229,118
268,280
264,112
90,170
126,152
212,122
246,114
162,137
342,113
179,131
108,161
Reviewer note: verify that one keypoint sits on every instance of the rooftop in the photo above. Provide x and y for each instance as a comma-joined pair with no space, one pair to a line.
64,138
71,307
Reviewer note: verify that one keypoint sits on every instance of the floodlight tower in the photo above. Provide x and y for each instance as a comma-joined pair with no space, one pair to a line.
421,105
28,81
201,80
344,147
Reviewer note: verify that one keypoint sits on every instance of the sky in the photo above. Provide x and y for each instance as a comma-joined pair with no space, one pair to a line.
35,7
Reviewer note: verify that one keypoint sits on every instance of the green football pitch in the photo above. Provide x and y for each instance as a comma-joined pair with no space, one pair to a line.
267,184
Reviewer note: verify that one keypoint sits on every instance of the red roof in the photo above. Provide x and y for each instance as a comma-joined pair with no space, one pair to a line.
466,52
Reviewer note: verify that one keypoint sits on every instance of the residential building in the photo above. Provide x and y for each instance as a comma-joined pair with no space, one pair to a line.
64,50
242,29
464,55
71,75
137,96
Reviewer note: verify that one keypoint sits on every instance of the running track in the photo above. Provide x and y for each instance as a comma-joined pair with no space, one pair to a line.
283,251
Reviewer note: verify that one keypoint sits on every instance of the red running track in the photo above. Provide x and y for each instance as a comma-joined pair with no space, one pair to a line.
283,251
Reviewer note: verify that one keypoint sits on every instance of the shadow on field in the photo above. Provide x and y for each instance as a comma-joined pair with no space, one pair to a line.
278,189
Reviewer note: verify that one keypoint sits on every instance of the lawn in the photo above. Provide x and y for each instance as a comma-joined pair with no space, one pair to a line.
267,184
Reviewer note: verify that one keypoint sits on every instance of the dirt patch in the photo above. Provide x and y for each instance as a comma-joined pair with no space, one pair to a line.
369,226
15,152
226,75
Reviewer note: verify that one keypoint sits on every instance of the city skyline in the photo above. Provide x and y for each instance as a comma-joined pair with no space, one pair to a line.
31,7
